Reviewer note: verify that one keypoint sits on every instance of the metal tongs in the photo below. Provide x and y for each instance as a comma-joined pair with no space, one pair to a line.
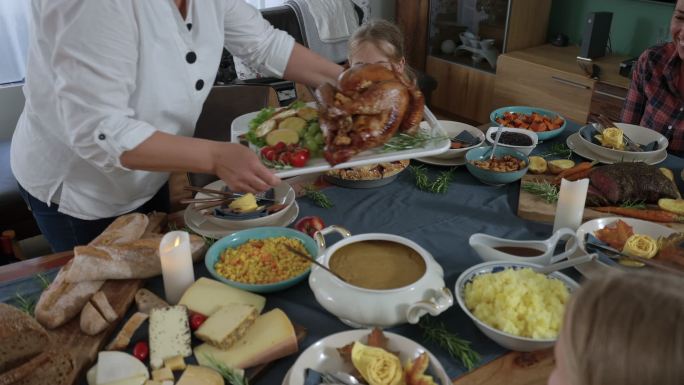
616,255
602,122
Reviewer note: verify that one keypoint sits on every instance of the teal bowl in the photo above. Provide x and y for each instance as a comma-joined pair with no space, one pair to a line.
238,238
546,135
495,178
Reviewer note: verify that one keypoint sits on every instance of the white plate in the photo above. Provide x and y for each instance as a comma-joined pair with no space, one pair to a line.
576,144
598,267
323,356
286,379
638,134
454,129
199,224
240,126
455,162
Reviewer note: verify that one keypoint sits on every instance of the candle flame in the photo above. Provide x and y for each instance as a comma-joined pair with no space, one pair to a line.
177,242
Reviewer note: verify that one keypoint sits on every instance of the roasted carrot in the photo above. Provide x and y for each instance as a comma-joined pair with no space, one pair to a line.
578,168
579,175
647,215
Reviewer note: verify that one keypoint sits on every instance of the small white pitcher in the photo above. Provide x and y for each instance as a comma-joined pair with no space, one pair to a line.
485,245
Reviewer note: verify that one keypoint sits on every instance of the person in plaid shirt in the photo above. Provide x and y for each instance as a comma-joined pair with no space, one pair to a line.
655,98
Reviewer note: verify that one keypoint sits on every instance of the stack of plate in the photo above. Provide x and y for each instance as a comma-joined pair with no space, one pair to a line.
214,226
641,135
455,157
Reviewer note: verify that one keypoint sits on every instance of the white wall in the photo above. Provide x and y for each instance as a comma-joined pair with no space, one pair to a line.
11,105
383,9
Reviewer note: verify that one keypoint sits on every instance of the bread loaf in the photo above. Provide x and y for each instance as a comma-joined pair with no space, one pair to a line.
57,369
21,337
156,223
102,305
126,228
147,300
121,341
133,260
62,300
92,322
22,371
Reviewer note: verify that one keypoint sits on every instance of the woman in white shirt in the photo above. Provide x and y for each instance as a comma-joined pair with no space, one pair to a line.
113,92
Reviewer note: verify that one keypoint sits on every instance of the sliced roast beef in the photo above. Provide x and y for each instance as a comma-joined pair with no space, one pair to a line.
622,182
595,198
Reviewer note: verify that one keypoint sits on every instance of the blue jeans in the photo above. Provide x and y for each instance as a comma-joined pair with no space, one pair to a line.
63,231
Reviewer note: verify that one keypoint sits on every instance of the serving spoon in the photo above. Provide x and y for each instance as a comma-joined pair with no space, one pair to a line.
496,141
564,265
311,259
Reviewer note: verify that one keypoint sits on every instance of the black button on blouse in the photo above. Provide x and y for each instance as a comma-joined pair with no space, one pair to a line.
189,25
199,85
191,57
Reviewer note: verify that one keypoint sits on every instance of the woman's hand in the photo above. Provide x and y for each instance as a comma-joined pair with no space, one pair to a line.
241,169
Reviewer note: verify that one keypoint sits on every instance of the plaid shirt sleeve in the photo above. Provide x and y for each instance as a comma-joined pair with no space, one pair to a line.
635,103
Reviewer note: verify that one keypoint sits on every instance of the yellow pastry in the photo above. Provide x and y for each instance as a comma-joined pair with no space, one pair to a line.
377,366
612,137
639,245
244,204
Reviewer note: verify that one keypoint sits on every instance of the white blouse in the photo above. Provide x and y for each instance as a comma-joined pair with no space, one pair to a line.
105,75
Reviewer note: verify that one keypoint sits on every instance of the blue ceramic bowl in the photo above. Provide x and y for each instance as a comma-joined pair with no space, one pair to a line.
495,177
238,238
546,135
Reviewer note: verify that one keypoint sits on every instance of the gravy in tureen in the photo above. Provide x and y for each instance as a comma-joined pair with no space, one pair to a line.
378,265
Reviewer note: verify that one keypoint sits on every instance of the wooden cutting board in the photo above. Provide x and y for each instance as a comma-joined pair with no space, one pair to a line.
536,209
515,368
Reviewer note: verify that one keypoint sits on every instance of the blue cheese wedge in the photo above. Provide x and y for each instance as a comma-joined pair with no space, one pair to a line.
169,334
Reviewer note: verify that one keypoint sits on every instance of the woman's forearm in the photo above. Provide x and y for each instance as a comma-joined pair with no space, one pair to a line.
307,67
171,153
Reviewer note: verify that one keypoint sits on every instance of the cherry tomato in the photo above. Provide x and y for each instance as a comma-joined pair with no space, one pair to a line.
141,351
196,320
299,158
269,153
280,147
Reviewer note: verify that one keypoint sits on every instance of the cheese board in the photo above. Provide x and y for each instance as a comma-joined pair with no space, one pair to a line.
534,208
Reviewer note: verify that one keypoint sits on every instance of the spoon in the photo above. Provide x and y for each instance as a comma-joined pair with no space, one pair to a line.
496,141
569,263
322,266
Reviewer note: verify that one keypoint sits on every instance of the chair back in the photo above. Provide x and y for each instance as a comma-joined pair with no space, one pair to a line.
223,105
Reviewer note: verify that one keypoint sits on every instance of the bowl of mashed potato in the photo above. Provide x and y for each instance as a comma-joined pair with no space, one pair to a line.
513,305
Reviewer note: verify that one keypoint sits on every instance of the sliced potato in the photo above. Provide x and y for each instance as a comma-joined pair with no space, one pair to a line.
538,165
307,113
264,128
293,123
672,205
556,166
282,135
668,173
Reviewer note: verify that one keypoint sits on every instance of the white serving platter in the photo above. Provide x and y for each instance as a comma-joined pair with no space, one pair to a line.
429,126
576,144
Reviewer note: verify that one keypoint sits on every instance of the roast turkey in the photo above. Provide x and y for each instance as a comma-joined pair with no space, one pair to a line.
369,106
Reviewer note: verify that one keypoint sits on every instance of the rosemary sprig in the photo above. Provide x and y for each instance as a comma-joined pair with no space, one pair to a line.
25,304
437,186
557,150
275,164
456,346
43,280
207,241
544,190
407,142
318,197
232,376
637,204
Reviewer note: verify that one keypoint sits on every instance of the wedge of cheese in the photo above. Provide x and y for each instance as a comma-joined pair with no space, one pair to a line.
206,296
169,334
272,336
118,368
198,375
227,325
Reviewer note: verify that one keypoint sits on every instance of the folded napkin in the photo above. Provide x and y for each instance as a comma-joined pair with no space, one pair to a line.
591,239
589,133
467,138
312,377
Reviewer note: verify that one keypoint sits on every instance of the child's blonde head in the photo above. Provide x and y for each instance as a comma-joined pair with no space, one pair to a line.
383,35
625,328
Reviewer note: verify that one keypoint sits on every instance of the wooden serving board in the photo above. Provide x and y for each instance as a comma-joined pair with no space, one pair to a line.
84,348
536,209
514,368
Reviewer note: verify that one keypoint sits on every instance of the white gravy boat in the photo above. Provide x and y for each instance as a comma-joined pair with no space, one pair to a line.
485,246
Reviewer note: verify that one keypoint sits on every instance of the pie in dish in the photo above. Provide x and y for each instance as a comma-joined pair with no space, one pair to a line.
370,172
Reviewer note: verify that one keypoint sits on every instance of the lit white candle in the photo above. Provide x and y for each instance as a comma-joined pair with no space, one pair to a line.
176,263
570,206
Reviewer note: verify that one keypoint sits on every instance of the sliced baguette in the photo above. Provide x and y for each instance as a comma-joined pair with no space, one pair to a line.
121,341
126,228
92,322
147,300
102,305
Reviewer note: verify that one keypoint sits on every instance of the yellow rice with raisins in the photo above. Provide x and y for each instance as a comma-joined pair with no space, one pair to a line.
263,261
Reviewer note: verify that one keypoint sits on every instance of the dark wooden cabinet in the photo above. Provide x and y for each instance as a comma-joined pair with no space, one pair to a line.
412,18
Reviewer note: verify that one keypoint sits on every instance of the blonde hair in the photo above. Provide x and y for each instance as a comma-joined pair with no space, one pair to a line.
384,35
626,328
